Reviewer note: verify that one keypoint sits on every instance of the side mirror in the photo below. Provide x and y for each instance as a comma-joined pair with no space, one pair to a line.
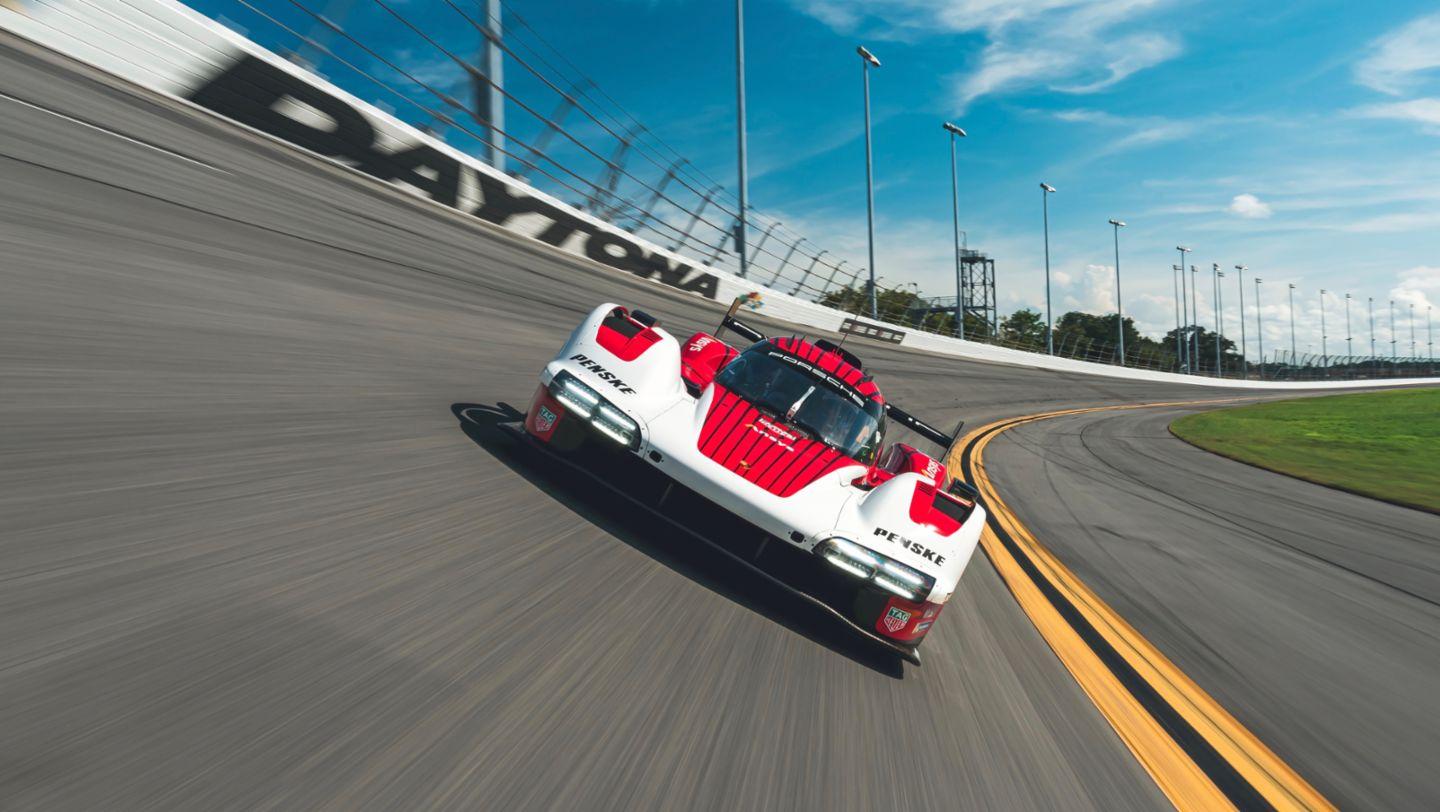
964,490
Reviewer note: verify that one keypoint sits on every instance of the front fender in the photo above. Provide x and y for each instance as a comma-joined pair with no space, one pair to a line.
896,519
642,385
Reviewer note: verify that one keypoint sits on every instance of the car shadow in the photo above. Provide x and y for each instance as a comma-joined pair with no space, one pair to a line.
711,568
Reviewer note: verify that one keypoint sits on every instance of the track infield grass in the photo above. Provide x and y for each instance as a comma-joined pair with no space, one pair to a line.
1382,444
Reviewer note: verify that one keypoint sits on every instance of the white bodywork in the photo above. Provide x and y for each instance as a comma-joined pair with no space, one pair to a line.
651,391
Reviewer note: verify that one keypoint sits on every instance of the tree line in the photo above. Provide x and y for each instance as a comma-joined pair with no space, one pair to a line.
1076,333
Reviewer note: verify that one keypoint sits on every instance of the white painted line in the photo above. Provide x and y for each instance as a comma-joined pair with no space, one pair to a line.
112,133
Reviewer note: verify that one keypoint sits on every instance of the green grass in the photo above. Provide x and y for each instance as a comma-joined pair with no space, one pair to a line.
1383,444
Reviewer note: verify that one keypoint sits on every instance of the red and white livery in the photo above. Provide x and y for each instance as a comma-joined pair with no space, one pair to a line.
787,435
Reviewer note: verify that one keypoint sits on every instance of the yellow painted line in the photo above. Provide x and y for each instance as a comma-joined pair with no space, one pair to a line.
1183,781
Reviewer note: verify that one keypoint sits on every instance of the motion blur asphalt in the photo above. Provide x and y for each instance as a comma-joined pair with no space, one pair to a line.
259,545
1311,614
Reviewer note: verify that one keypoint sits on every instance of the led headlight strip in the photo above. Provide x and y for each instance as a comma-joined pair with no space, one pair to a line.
584,403
889,575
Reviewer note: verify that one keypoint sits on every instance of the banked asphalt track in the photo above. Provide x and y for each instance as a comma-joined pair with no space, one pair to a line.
259,545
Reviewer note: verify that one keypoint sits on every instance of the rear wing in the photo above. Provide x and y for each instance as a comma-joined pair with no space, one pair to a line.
922,428
736,326
904,418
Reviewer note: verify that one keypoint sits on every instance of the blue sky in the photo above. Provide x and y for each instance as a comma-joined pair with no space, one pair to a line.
1302,140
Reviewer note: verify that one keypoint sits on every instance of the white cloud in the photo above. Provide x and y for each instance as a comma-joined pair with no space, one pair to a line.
1074,46
1135,54
1099,289
1419,286
1395,59
1250,207
1401,222
1067,53
1092,292
1093,117
1142,131
1423,111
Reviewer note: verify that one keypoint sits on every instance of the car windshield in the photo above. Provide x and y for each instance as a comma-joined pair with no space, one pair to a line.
773,383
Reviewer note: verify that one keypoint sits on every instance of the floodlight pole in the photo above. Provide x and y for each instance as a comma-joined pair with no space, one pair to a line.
1177,277
1413,353
1430,331
1185,309
1349,339
956,132
1394,357
1259,330
1195,315
1240,283
1119,308
866,60
1293,354
742,168
1045,192
488,92
1219,317
1370,309
1324,339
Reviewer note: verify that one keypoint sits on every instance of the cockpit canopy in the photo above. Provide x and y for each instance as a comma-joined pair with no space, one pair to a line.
805,396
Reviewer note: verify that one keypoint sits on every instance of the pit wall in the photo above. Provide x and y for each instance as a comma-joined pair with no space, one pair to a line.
166,47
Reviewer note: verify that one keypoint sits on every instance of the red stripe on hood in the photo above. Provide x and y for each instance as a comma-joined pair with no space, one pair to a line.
722,409
761,449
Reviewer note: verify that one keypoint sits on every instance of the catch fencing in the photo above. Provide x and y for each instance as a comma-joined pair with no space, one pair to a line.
585,177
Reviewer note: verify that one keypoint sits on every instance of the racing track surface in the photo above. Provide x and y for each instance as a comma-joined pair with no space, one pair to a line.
1311,614
250,555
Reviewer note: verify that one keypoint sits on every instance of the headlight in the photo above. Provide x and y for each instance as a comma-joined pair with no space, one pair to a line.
900,588
584,403
613,423
576,396
850,557
889,575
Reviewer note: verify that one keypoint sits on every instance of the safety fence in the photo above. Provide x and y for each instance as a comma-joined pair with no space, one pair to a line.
561,132
381,87
564,134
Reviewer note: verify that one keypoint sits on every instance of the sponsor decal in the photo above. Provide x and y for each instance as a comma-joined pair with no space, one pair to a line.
839,385
860,328
929,612
923,626
913,546
768,425
700,343
256,93
896,618
602,373
775,434
545,420
933,469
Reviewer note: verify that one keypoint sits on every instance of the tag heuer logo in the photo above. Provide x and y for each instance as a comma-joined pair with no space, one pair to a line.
895,619
545,420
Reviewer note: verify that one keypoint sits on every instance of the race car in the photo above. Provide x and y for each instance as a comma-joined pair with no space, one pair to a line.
785,437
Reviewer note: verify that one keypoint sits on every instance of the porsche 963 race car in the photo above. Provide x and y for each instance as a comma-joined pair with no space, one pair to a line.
787,437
